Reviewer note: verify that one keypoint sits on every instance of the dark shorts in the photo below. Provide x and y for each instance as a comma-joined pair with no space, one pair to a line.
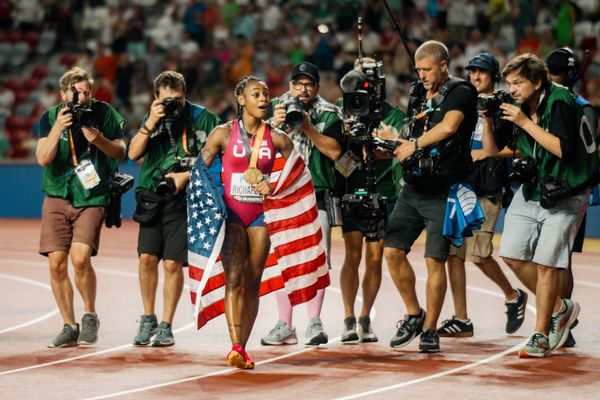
413,212
353,225
578,243
63,224
166,235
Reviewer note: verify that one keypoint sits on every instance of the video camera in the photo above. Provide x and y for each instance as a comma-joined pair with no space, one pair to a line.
82,113
167,184
422,163
369,209
364,97
490,103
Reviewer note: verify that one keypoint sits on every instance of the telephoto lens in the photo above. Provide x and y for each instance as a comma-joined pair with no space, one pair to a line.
294,113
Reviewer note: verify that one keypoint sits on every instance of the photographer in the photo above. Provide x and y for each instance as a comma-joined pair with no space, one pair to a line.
434,154
171,136
314,126
80,143
557,164
488,176
387,174
563,69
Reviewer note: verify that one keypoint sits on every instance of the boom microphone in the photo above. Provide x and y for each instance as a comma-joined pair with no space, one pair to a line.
353,81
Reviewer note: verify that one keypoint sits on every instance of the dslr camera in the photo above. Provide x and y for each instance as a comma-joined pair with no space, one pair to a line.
118,184
365,103
294,113
524,171
422,163
554,189
490,103
82,113
173,109
167,184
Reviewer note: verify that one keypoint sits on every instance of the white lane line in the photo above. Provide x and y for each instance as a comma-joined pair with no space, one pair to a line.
219,372
65,360
584,283
33,321
434,376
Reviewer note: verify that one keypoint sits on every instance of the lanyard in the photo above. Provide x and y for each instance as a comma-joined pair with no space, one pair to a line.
72,146
252,155
173,143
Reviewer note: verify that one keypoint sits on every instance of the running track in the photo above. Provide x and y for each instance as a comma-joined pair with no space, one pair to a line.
485,366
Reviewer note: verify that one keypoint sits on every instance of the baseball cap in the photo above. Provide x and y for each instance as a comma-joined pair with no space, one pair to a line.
308,69
486,61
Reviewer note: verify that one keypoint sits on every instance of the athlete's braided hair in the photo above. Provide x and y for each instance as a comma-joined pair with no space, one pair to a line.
239,89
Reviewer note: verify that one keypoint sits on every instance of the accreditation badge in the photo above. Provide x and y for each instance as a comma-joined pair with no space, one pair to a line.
347,163
87,174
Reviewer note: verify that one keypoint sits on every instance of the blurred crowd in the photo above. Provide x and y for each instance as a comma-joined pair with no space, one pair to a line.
213,43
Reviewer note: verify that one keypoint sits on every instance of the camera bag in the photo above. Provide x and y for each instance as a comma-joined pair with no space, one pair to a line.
148,205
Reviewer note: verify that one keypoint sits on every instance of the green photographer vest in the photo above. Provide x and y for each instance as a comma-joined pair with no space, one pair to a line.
59,178
577,171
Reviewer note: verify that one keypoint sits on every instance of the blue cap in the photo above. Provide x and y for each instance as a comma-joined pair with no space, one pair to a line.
486,61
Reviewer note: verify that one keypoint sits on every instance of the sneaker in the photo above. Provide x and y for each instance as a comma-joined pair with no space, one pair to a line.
66,338
164,336
454,327
560,325
349,336
515,312
570,342
408,329
429,342
89,329
279,335
238,358
365,332
537,346
146,330
315,334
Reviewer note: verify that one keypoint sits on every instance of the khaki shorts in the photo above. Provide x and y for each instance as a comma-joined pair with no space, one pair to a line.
479,248
63,224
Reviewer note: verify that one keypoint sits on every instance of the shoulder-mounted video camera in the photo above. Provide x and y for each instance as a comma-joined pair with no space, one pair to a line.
167,184
490,103
364,97
82,113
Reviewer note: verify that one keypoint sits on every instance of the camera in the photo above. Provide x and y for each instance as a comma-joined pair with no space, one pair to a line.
490,103
118,184
364,97
525,171
167,184
173,109
369,209
554,189
82,113
422,163
294,113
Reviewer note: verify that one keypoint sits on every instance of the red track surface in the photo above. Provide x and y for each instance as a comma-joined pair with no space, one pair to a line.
485,366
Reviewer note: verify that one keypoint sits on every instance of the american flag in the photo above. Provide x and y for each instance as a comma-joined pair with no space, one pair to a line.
297,259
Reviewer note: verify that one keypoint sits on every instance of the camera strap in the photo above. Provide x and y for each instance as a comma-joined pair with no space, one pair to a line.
173,142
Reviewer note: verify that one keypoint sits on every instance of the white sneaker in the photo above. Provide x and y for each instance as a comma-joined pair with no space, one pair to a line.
315,334
279,335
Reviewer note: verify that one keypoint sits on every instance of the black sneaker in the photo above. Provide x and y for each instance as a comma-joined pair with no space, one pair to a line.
429,342
454,327
350,336
408,329
515,312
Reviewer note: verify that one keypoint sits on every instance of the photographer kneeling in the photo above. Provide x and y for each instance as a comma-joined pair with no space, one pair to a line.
558,162
442,116
169,141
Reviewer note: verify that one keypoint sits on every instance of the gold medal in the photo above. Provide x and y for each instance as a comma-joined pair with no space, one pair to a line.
253,175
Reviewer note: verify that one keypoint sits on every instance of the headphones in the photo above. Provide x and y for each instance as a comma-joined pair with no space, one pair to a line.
485,61
572,66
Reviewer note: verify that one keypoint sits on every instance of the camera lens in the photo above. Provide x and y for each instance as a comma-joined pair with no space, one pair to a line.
294,114
166,186
356,103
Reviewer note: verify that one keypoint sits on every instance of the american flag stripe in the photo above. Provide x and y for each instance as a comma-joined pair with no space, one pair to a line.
297,260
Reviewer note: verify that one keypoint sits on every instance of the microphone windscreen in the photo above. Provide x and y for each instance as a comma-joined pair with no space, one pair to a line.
352,81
